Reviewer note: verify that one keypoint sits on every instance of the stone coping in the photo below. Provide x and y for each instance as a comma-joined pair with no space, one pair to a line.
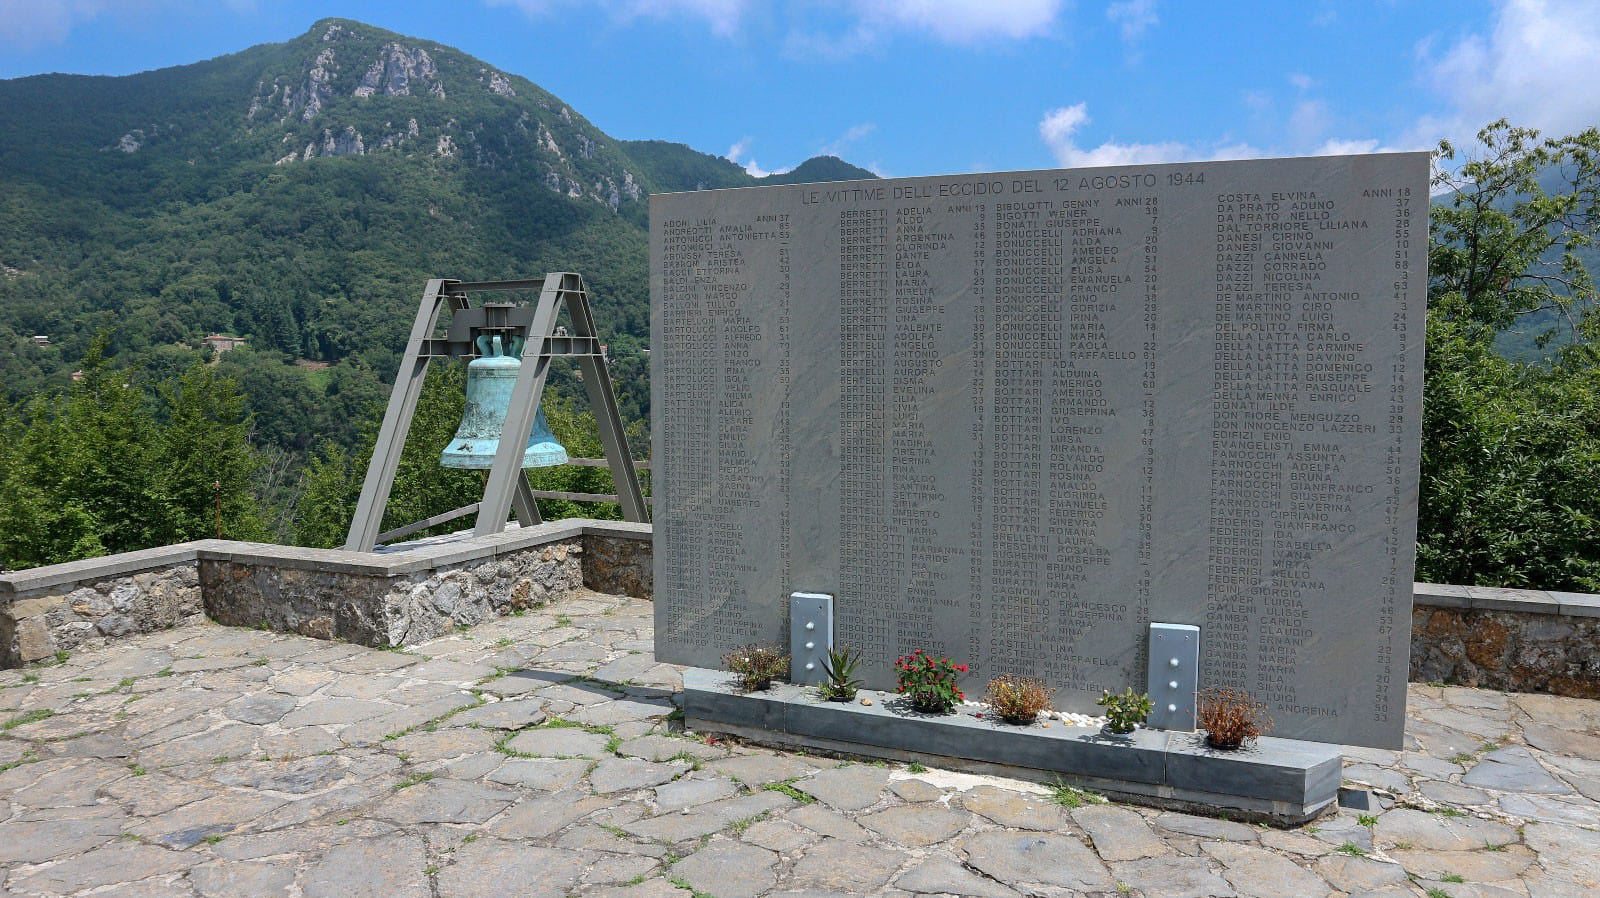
397,561
1495,598
1282,781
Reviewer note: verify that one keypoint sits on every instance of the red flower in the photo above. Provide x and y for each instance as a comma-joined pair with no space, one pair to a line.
961,667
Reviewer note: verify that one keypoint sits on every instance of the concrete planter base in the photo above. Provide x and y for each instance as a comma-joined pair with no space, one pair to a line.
1281,781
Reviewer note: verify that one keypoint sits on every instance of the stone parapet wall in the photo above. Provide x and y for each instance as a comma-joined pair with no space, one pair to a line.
38,623
619,563
401,595
372,608
1518,640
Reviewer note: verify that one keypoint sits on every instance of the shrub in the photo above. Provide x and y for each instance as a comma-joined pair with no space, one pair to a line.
929,682
757,665
1018,699
840,669
1126,711
1230,717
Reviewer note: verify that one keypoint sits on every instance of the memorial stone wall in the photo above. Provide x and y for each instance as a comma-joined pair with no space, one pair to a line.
1014,418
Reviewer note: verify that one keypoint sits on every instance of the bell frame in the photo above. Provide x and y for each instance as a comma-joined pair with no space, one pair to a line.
507,488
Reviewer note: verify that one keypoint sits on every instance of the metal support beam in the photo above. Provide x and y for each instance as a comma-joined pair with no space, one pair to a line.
368,519
507,467
425,523
603,401
524,503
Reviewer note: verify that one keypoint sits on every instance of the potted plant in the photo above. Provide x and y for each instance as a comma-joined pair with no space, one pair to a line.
1124,712
1018,700
757,665
929,683
1231,717
839,669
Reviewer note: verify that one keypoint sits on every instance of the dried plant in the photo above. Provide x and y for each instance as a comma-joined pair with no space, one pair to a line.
757,665
1017,699
1231,717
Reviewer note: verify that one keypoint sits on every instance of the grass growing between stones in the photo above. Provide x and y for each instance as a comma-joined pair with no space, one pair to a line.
1071,797
1452,877
693,762
26,718
739,826
1352,849
1437,893
415,779
681,883
786,787
28,757
503,746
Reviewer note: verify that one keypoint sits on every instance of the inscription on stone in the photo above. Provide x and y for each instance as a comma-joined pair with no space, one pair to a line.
1014,418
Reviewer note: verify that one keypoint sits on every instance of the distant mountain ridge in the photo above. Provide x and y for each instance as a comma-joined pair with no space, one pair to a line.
298,193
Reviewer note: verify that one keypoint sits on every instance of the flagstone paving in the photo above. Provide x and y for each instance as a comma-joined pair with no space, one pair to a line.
540,756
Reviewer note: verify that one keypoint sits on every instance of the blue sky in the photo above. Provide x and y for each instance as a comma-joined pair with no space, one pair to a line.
919,87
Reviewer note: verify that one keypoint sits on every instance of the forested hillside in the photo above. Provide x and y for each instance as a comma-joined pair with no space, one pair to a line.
298,194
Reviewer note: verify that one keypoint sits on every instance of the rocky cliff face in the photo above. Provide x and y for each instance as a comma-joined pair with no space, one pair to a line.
350,89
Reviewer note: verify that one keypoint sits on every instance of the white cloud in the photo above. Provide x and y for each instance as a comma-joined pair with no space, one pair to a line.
1336,147
723,17
961,21
1308,123
955,21
855,133
1529,68
739,154
1059,129
1134,17
1302,81
30,23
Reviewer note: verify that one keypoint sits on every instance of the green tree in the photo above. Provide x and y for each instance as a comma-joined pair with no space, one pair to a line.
204,457
1511,450
1502,246
104,467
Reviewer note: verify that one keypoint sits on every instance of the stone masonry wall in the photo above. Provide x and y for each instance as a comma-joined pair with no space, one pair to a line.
38,623
1509,650
387,611
618,565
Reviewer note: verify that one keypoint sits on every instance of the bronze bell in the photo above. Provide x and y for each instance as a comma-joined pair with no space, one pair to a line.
490,379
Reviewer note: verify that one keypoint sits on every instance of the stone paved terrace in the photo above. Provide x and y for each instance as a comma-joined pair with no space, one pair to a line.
537,756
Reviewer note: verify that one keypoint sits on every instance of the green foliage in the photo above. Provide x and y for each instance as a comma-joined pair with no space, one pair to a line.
1502,246
1511,450
929,683
108,465
839,668
1125,712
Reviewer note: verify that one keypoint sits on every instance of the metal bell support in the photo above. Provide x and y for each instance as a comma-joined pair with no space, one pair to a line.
490,378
